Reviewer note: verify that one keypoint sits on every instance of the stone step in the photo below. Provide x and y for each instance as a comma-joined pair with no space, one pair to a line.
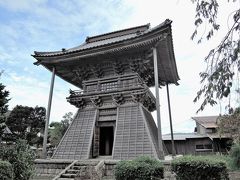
86,163
72,171
109,173
66,175
168,174
77,167
108,178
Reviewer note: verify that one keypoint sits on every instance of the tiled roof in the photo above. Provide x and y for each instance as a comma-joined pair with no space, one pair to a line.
207,121
106,39
127,42
218,136
7,130
103,42
133,30
183,136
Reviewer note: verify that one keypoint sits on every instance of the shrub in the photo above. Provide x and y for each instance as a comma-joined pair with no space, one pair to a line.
235,156
21,157
141,168
6,171
200,168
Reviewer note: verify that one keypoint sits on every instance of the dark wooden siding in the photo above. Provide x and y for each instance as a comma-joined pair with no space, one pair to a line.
188,146
132,134
152,129
77,140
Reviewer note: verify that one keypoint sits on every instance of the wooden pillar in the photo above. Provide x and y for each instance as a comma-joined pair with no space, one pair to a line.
44,151
170,120
160,144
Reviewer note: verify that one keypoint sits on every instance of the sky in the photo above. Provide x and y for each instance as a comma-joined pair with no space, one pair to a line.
48,25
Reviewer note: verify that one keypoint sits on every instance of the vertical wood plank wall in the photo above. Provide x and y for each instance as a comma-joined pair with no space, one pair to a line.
136,135
78,138
132,139
152,129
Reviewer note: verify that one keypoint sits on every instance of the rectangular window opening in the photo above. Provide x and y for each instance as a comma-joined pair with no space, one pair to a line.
204,147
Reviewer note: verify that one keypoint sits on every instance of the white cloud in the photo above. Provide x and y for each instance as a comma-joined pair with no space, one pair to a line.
28,91
6,58
21,5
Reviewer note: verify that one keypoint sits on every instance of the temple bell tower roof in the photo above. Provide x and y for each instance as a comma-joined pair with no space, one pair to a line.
127,46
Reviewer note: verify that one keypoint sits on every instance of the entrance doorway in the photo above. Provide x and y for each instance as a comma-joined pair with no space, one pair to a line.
106,141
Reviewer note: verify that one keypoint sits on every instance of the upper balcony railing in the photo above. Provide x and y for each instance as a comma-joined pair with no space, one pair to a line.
120,83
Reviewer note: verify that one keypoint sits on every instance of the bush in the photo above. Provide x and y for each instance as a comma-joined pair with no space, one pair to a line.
235,156
21,157
200,168
141,168
6,171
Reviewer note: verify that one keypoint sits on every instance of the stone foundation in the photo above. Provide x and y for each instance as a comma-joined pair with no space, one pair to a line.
109,169
49,167
234,175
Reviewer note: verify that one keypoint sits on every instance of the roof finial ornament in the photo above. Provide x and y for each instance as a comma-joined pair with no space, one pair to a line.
138,32
87,39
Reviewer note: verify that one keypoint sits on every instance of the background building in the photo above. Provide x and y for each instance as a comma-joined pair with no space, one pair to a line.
204,140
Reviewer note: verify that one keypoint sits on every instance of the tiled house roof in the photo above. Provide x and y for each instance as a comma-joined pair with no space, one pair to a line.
182,136
207,121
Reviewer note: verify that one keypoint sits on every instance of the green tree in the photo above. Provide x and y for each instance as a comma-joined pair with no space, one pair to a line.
58,129
26,122
21,157
3,106
67,119
36,125
18,120
55,133
223,61
230,125
235,156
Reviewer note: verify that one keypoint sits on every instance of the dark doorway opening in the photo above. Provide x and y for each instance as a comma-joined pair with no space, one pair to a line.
106,141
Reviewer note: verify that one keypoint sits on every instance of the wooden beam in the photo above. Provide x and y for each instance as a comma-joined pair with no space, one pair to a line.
170,120
97,71
44,151
160,144
118,68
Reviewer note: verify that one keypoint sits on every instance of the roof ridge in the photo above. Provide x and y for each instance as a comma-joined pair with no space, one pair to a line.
101,36
204,116
75,49
180,133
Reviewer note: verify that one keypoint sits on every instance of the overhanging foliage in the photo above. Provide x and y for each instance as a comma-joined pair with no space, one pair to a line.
224,60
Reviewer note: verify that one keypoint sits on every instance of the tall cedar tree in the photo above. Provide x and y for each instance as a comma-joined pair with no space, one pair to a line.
26,122
3,107
223,62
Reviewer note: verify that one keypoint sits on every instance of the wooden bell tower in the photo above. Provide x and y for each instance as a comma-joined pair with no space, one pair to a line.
114,72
